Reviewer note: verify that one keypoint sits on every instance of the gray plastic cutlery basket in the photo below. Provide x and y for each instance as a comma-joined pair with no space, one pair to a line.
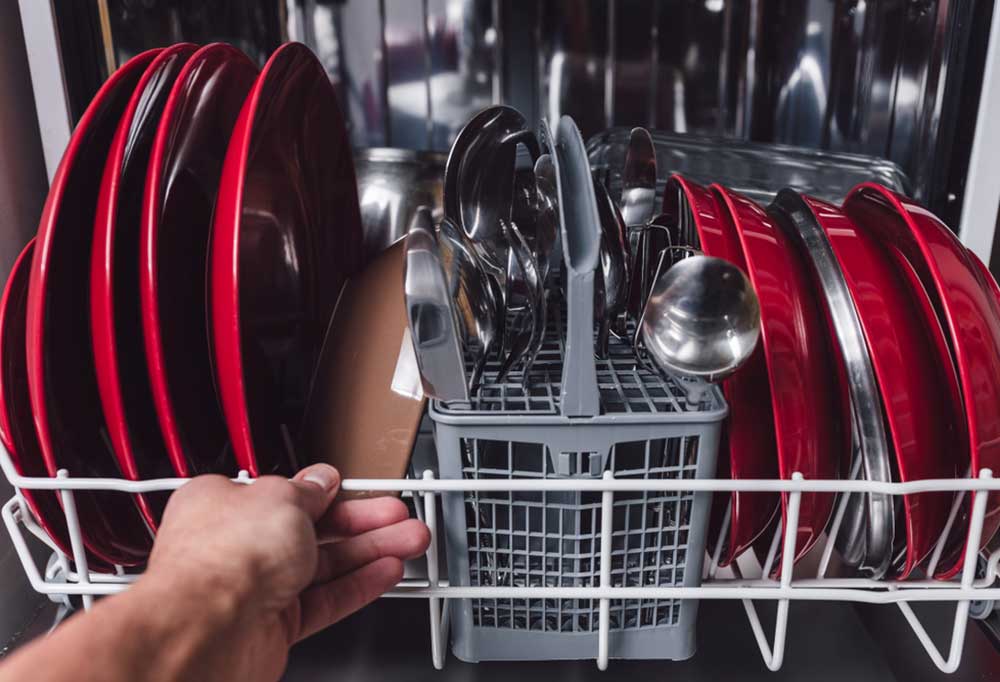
579,418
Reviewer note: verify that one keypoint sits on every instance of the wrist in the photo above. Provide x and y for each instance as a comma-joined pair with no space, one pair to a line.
185,622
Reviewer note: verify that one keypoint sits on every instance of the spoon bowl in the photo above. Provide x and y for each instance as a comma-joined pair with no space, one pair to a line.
702,319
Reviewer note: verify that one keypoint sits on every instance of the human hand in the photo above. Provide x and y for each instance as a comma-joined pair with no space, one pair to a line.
267,564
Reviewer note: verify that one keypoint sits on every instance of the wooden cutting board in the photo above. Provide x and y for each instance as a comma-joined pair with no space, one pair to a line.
366,400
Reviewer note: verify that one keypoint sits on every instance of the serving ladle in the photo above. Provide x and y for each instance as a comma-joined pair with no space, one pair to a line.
702,318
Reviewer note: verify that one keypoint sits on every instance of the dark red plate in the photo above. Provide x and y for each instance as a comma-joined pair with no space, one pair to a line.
918,384
182,182
808,399
286,236
748,433
966,309
17,430
61,379
115,317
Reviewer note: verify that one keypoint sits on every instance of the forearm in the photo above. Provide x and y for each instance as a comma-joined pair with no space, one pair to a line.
151,632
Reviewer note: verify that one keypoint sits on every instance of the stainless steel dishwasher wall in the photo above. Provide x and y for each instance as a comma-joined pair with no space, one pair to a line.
22,193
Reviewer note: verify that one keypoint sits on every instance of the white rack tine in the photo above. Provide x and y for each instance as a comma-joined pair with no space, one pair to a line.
12,513
28,519
951,664
713,566
434,603
956,506
838,519
774,657
607,523
75,539
772,550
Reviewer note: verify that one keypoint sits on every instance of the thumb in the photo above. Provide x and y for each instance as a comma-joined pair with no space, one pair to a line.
317,485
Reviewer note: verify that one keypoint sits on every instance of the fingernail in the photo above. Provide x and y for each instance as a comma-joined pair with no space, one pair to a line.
323,475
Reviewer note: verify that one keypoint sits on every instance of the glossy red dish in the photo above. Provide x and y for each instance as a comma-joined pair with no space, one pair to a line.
966,311
915,375
808,398
286,235
61,379
182,182
115,320
17,430
748,434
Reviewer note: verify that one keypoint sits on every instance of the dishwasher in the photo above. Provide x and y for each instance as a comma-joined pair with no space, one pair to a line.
757,95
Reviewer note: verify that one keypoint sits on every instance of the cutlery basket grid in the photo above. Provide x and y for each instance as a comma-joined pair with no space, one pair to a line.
647,429
624,387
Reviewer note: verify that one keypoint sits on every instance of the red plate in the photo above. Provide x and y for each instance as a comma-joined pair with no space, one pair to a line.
965,309
809,402
17,430
748,434
63,387
115,317
286,236
181,185
917,382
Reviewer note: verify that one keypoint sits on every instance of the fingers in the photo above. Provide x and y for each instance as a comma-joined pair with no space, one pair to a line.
403,540
325,604
352,517
316,487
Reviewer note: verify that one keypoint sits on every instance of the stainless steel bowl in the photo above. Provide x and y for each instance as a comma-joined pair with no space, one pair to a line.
392,184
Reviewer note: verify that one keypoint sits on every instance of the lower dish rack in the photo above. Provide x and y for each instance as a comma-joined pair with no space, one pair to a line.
63,578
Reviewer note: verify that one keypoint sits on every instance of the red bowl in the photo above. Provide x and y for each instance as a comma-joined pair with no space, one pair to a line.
748,449
115,319
63,387
286,235
182,182
808,397
916,378
966,310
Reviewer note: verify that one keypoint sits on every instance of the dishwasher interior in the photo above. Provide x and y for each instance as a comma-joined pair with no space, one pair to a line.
816,95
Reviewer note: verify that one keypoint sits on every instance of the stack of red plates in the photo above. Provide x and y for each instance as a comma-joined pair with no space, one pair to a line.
930,316
168,316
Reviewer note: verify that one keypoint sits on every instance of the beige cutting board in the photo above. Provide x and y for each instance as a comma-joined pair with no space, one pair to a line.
366,400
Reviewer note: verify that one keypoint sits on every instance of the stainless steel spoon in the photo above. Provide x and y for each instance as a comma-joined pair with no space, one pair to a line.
547,213
434,326
525,302
473,296
638,204
479,178
615,267
702,319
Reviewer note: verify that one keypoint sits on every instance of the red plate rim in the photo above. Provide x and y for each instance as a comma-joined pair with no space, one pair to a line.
724,243
149,282
225,284
39,281
915,217
102,282
902,428
815,510
56,529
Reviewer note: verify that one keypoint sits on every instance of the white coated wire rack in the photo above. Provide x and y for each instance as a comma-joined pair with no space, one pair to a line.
68,575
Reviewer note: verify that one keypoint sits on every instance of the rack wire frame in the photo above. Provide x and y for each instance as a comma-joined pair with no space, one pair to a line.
69,575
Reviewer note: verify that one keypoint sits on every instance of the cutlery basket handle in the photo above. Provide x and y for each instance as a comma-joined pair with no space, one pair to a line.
581,237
